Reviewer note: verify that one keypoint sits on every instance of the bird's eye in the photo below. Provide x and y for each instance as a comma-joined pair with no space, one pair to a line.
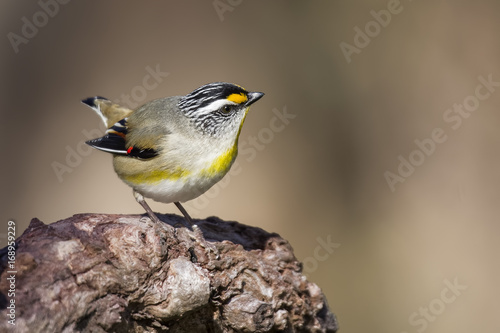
226,109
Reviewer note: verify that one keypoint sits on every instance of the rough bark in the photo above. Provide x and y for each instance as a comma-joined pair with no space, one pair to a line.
122,273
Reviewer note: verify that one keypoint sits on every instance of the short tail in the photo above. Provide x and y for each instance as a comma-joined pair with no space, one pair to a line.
109,112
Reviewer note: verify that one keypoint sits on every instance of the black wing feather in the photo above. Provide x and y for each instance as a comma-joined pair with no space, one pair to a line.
111,143
114,142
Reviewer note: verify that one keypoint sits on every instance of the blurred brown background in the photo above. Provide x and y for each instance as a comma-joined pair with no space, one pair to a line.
387,260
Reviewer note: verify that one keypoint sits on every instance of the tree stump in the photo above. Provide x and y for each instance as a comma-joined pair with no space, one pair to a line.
123,273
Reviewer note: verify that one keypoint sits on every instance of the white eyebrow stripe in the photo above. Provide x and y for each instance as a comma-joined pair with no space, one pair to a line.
214,106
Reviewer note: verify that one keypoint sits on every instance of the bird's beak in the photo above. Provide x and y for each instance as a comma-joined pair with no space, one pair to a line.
253,97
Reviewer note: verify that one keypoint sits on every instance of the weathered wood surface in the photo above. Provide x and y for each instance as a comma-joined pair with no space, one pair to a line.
122,273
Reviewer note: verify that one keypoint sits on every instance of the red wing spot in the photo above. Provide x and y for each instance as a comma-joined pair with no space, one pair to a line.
129,150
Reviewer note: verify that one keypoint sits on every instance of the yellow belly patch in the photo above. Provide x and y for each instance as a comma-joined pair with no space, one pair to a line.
221,165
156,176
218,168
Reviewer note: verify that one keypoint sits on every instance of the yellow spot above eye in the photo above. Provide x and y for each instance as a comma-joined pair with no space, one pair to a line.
237,98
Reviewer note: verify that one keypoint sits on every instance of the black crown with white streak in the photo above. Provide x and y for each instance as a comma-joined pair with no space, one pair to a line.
215,107
207,94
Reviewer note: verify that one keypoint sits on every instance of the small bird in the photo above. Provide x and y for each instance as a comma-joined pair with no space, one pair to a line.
174,149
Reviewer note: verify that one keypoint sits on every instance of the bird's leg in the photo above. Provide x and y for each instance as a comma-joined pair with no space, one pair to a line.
185,213
197,233
140,199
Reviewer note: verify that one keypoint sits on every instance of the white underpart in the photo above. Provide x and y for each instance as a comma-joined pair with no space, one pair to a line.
179,190
185,188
